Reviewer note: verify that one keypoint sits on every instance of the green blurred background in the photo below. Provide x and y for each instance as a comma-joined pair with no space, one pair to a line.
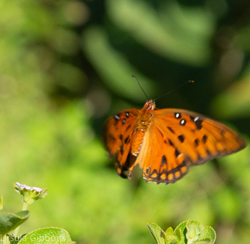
65,66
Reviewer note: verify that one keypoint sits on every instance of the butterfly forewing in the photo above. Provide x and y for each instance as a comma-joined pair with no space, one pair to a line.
198,137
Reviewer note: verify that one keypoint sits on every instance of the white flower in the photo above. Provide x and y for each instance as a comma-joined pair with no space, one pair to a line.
30,194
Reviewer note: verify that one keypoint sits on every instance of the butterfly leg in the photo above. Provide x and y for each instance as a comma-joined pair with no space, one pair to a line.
130,171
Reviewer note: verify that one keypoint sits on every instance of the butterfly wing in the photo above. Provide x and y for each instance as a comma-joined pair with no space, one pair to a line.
118,131
178,139
159,160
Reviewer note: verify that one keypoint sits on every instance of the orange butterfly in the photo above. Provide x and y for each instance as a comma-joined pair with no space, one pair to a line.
165,142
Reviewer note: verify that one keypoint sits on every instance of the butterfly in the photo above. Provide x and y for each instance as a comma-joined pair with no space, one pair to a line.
165,142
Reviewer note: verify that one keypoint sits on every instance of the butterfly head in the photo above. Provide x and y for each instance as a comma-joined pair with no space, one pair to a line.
149,105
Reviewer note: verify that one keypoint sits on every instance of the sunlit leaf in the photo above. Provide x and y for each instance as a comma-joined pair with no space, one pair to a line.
50,235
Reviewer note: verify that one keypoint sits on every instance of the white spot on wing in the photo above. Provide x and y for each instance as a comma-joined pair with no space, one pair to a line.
182,122
177,115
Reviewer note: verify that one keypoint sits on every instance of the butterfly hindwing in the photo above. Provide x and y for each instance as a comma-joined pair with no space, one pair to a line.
163,163
117,137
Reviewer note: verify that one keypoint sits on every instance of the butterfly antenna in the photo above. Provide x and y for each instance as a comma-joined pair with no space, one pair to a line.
189,81
140,86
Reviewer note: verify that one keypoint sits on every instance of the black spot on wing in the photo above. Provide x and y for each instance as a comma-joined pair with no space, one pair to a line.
196,142
163,160
204,139
170,142
181,138
197,121
177,153
160,132
128,127
170,129
127,140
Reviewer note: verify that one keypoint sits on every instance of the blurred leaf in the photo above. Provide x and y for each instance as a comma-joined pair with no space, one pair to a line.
10,221
1,202
113,67
233,102
167,37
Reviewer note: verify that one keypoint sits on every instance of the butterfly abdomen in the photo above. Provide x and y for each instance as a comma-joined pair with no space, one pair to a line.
137,142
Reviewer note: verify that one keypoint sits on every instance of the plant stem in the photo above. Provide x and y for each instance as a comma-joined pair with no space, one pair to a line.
25,207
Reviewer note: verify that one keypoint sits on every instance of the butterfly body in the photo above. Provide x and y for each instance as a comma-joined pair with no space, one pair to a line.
165,142
143,122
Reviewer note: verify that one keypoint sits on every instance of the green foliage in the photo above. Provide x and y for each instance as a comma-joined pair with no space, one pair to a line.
157,233
10,221
187,232
1,203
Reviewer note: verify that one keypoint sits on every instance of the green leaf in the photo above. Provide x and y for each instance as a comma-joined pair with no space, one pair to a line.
157,233
171,238
193,231
1,203
10,221
180,231
50,235
207,235
199,234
